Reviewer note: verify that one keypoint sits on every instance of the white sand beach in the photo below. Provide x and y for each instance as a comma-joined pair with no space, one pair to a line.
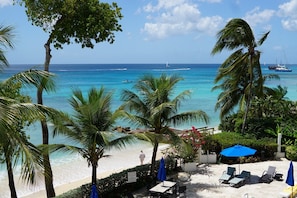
73,172
205,182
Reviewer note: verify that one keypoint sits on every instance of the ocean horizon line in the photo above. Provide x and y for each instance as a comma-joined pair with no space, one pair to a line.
161,63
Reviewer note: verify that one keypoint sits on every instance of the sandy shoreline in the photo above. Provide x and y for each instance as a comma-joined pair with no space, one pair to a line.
204,183
130,159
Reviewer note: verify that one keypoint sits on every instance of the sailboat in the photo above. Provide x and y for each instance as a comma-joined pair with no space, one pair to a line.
279,68
167,65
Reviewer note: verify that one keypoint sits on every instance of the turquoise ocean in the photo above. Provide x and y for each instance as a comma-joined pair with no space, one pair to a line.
198,78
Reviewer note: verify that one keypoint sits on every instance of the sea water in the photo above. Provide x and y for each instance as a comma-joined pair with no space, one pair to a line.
198,78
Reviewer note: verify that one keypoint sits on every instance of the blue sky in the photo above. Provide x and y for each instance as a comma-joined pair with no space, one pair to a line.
160,31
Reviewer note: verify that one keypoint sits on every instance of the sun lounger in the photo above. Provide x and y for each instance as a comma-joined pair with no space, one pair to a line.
267,176
227,175
240,180
289,192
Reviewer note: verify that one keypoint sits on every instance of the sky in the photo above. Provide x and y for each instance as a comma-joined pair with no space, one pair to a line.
161,31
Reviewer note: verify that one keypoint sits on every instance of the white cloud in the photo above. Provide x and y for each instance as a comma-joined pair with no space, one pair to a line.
288,11
5,3
257,16
177,17
290,24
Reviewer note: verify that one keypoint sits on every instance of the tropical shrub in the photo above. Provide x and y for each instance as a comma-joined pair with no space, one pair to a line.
291,153
266,147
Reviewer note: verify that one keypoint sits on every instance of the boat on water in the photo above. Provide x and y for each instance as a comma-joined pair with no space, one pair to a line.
282,68
273,67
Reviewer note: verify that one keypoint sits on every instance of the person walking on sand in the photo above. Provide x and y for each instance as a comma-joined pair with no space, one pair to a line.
141,157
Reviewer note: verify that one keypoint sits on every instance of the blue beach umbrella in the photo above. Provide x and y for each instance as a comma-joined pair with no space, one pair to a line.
290,177
94,192
162,171
238,151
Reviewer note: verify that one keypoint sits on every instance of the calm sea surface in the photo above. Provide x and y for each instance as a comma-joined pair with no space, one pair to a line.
198,78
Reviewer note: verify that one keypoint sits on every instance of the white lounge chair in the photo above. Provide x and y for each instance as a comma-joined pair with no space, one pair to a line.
241,179
267,176
227,175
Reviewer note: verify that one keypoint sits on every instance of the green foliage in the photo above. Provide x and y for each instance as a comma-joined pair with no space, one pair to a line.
91,127
291,153
6,35
267,117
186,152
79,21
266,147
116,184
154,105
240,74
227,139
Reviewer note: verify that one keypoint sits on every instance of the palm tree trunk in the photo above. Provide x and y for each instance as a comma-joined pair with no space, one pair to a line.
245,115
94,174
11,184
50,191
249,98
153,164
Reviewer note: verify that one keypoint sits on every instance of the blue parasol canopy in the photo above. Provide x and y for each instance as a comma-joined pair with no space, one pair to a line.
290,176
238,151
94,192
162,171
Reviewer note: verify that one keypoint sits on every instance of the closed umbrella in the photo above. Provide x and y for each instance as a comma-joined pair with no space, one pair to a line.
162,171
94,192
238,151
290,177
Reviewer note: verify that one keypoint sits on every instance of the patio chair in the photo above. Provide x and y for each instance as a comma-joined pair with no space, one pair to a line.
240,180
227,175
268,175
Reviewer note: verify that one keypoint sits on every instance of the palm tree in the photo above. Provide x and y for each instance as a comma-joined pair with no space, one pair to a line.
155,107
90,127
242,67
6,35
17,112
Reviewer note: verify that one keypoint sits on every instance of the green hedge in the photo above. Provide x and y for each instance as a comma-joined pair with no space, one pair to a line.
266,147
116,184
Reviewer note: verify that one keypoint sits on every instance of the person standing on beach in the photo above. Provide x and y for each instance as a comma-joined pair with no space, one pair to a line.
141,157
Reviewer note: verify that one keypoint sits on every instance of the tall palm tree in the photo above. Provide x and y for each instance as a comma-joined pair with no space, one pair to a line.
6,35
17,112
91,126
155,106
242,66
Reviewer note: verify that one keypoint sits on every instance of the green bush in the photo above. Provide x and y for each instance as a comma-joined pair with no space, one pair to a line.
116,184
266,147
291,153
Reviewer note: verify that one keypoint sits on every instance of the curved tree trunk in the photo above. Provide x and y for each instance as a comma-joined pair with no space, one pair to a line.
48,179
11,184
249,98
